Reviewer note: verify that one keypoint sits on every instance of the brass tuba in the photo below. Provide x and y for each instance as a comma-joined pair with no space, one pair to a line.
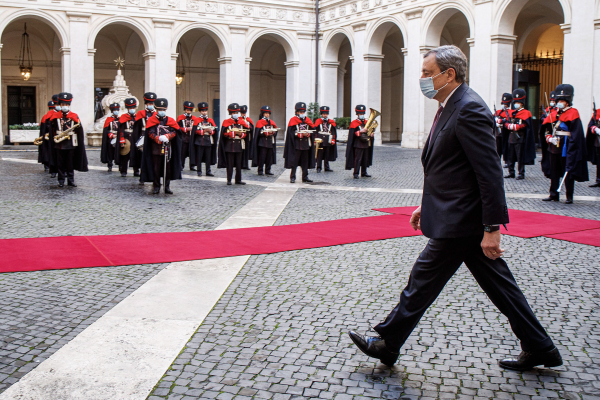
64,135
370,126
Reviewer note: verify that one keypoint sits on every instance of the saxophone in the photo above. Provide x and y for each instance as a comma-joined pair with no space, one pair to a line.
39,140
64,135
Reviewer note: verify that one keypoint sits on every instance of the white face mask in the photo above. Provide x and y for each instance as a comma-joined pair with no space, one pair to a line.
132,111
65,109
235,116
560,106
116,113
303,115
552,104
361,116
58,108
187,113
427,87
150,107
204,114
162,114
518,106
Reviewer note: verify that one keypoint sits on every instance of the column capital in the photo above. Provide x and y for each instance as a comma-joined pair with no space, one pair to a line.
91,52
224,60
149,56
64,51
471,41
248,60
163,23
330,64
566,28
478,2
351,58
291,64
78,16
503,39
425,49
373,57
239,29
414,13
174,56
597,23
404,51
361,26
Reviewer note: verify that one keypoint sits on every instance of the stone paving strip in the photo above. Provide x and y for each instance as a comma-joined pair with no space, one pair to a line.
283,182
125,352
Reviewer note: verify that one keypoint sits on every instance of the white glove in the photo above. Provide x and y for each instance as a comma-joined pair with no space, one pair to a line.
554,141
163,139
596,130
499,125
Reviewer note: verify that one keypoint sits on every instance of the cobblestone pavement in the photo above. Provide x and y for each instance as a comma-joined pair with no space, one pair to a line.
279,331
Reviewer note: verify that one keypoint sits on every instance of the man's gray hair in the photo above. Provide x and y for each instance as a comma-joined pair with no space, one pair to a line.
451,57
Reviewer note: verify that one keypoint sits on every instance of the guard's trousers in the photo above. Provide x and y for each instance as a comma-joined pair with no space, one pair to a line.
515,155
434,268
360,160
185,153
557,171
158,162
123,163
65,165
203,155
598,166
323,157
234,160
265,159
303,163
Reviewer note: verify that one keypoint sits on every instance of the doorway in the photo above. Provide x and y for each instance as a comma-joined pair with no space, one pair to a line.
21,107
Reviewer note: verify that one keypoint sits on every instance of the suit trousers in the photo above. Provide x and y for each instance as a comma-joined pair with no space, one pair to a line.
323,156
203,155
265,159
515,155
557,171
598,166
65,165
234,160
303,162
123,163
185,153
434,268
360,160
158,162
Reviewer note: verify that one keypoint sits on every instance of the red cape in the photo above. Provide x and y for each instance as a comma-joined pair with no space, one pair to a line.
125,117
248,119
570,115
521,114
356,123
262,122
70,115
320,121
153,120
551,117
183,116
48,115
231,121
197,121
296,121
140,114
108,121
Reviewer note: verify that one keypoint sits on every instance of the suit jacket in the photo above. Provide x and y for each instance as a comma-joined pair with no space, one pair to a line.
463,187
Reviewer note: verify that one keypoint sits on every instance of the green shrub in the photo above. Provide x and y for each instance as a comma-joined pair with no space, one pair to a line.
343,122
27,127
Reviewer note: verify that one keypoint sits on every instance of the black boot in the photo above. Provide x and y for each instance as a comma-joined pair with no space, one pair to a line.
374,347
355,176
292,180
240,183
46,169
269,173
551,198
208,173
168,190
509,176
61,184
71,183
569,200
193,168
597,184
260,173
528,360
318,170
228,183
520,177
307,180
136,172
156,190
123,174
365,175
53,175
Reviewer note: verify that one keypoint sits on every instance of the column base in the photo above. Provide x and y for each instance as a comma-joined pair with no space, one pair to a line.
413,140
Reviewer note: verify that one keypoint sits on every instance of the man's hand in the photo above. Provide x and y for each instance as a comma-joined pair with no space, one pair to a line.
415,219
490,244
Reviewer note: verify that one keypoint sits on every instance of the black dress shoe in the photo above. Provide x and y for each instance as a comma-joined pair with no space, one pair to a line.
168,191
374,347
328,170
71,184
260,174
509,176
292,180
569,201
61,184
240,183
366,175
355,176
123,174
306,180
269,173
528,360
551,198
156,190
110,169
520,177
192,168
210,174
136,173
228,183
46,169
597,184
318,170
53,175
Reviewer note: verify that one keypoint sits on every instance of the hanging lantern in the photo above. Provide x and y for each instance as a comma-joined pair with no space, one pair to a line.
25,61
179,66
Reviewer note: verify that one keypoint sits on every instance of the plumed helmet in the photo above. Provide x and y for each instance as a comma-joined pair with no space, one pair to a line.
130,102
149,97
161,103
360,109
50,104
324,109
519,95
202,106
188,105
65,97
300,106
114,106
507,98
233,107
565,92
55,98
244,109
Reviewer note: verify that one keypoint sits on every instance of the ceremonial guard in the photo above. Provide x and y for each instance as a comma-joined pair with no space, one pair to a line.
67,139
521,142
299,144
109,136
502,117
326,140
204,141
232,144
43,141
593,144
161,157
566,145
186,123
247,154
551,106
139,130
359,149
126,145
264,142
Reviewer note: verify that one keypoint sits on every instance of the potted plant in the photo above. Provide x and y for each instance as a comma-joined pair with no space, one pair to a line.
25,133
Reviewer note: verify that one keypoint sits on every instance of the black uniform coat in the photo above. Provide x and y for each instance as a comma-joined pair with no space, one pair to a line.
124,119
80,162
590,139
147,174
529,151
199,140
547,126
107,152
576,152
463,187
503,113
293,144
226,144
357,124
332,155
141,118
248,139
260,140
45,149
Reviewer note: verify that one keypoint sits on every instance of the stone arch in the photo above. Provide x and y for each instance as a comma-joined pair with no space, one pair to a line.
218,36
378,31
289,45
131,23
56,24
333,42
436,21
509,10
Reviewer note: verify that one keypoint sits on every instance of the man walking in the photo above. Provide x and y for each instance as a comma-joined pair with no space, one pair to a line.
463,205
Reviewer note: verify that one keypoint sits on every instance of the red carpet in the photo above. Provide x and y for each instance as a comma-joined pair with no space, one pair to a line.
527,224
590,237
99,251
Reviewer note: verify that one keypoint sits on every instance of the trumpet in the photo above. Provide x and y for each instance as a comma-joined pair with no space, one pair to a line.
270,131
238,131
38,140
304,132
207,129
64,135
317,147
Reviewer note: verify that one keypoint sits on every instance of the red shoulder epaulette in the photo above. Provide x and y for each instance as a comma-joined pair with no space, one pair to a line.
522,114
295,121
125,117
140,114
153,120
248,119
261,122
108,120
570,115
356,123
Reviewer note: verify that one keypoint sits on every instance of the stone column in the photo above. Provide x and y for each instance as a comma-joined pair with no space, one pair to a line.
1,105
480,57
372,79
358,65
578,67
149,72
239,78
306,68
596,75
164,64
225,89
78,68
501,66
341,74
292,81
329,86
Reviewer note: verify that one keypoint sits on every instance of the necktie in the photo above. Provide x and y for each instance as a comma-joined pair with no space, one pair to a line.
435,121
